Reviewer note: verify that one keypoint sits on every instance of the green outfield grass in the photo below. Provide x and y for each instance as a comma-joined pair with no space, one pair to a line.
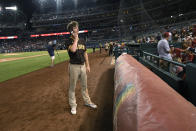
12,69
22,54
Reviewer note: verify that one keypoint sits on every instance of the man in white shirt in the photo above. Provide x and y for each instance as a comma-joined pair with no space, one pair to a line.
163,47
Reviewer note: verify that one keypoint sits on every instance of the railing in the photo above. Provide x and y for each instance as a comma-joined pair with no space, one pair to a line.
156,60
170,71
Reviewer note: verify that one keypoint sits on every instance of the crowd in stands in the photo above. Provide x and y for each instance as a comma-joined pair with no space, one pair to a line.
178,35
168,47
27,45
183,53
21,46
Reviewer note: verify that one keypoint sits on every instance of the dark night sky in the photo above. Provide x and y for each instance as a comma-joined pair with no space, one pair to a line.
31,6
28,7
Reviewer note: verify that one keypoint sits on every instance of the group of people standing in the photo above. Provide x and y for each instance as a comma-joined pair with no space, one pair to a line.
181,55
108,46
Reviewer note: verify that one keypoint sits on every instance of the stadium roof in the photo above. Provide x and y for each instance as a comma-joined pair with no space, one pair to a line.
26,8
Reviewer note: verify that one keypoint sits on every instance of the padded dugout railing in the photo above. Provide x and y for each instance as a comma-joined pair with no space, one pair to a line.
144,102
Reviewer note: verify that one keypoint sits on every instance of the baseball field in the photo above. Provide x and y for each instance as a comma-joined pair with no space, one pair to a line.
16,64
34,96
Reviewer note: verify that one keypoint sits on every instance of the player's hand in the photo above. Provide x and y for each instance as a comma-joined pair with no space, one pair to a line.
75,36
88,69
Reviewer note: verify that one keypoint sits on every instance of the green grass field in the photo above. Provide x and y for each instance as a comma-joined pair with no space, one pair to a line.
23,54
12,69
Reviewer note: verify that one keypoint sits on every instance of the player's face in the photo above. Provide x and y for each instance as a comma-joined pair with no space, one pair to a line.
75,29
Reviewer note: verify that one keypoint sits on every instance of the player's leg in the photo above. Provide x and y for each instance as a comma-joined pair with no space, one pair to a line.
84,88
74,71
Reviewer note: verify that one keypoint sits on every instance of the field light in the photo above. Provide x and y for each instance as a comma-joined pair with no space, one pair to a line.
11,8
0,8
180,14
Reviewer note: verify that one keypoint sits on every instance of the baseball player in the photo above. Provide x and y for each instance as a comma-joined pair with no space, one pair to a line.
78,66
51,47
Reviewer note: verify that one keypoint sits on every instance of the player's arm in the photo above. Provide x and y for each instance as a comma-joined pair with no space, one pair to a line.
73,47
87,61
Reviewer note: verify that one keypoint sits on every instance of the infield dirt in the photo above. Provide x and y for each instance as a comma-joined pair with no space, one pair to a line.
38,101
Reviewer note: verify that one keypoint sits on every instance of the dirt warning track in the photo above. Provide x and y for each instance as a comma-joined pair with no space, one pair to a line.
39,101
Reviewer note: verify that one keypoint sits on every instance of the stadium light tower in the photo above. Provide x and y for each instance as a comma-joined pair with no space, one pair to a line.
11,8
75,3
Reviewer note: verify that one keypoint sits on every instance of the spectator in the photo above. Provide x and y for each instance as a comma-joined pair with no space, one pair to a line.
163,47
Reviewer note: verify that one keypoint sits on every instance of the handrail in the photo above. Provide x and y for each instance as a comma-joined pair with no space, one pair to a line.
170,61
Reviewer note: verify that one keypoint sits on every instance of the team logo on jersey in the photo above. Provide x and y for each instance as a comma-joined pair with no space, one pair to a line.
81,47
